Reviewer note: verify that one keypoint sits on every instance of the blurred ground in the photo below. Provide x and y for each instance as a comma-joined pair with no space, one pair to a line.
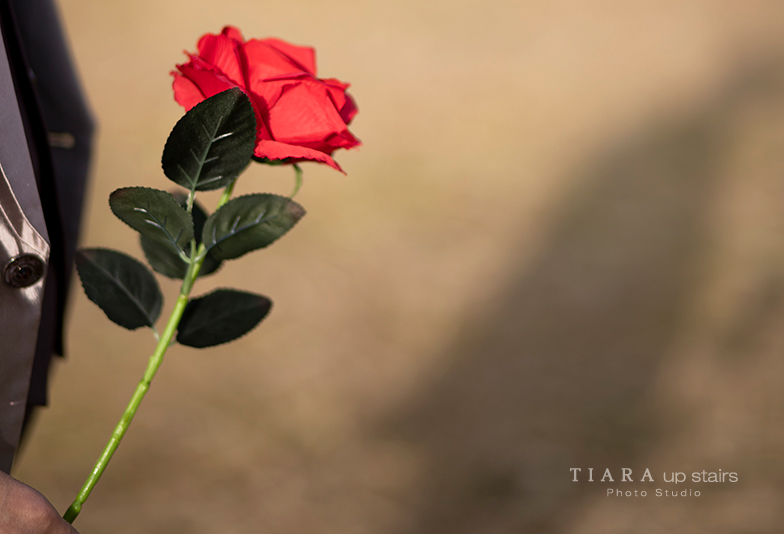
561,245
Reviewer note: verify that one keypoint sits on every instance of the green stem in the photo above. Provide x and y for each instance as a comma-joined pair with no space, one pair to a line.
154,363
226,195
141,389
297,180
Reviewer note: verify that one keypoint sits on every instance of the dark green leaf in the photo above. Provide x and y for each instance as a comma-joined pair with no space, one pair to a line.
123,288
220,317
212,143
165,259
155,214
248,223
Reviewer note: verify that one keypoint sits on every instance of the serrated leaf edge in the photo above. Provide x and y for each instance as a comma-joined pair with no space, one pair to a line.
180,251
216,243
194,183
241,335
130,295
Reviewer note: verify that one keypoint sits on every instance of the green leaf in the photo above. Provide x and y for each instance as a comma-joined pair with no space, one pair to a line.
123,288
155,214
248,223
220,317
212,143
166,260
163,259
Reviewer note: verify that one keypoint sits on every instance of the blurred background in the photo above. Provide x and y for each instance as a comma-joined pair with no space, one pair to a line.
560,245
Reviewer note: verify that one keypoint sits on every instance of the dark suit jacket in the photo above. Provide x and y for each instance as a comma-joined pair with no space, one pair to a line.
45,141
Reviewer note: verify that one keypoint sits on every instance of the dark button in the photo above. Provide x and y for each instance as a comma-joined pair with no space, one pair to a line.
23,271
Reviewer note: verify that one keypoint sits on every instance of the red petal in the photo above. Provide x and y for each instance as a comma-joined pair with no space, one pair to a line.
349,110
186,93
221,51
266,94
343,101
208,82
233,33
265,61
305,115
275,150
262,117
303,56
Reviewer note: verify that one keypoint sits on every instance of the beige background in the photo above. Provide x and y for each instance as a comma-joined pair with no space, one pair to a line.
561,245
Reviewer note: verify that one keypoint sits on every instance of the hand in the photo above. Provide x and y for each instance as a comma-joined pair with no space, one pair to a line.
25,511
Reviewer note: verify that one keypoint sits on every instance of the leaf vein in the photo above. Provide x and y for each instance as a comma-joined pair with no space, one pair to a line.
130,295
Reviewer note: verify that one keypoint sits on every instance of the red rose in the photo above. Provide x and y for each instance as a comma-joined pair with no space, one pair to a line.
298,117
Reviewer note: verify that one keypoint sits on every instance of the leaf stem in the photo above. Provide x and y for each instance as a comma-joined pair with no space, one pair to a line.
191,196
297,180
164,341
226,195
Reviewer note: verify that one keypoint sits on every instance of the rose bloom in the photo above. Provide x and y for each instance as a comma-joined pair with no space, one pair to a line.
299,117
